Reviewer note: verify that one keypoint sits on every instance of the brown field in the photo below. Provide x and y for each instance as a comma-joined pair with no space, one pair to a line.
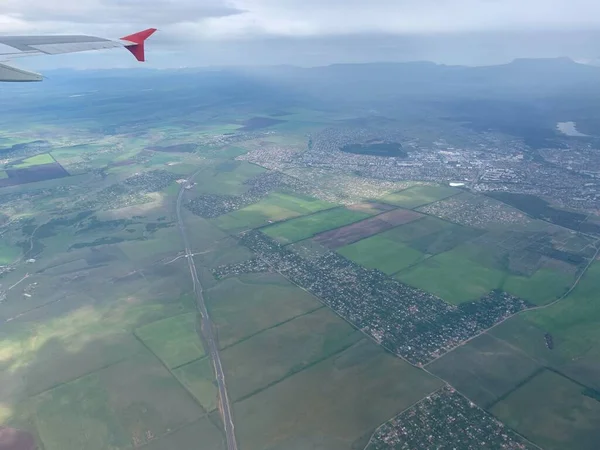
370,207
352,233
13,439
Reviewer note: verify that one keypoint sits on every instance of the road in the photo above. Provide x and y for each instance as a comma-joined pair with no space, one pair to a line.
207,331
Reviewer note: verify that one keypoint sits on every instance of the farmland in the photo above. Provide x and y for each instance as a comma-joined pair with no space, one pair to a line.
419,195
563,418
380,253
275,207
454,276
365,228
116,406
246,305
298,229
355,299
37,160
332,425
173,340
485,369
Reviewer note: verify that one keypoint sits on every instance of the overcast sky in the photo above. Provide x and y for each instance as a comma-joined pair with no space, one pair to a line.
315,32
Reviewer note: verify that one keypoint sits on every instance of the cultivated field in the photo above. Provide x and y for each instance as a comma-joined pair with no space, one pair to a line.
275,207
419,195
304,227
122,406
378,252
554,412
352,233
174,340
276,353
243,306
485,369
454,276
337,403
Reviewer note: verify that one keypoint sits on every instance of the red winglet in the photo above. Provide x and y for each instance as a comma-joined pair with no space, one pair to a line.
137,46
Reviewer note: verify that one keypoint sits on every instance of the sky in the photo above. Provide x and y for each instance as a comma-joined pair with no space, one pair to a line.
314,32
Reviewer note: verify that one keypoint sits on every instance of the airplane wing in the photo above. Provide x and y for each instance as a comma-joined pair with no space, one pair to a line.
19,46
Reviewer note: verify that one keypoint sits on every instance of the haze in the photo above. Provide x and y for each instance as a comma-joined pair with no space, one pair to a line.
311,32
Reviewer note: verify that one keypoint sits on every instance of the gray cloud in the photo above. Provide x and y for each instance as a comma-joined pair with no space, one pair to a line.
308,32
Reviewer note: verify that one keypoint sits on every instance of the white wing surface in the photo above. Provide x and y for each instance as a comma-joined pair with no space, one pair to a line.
19,46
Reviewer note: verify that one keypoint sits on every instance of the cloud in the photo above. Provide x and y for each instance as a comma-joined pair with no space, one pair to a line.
62,16
398,17
307,31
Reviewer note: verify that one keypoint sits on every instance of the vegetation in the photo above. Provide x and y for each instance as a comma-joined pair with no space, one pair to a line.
275,207
174,340
243,306
542,287
297,229
199,379
563,416
378,252
37,160
419,195
485,369
453,276
574,321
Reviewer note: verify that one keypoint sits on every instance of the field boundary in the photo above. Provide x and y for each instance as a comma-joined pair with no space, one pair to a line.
291,373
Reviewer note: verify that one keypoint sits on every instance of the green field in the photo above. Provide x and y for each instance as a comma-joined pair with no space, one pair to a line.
378,252
337,403
419,195
553,412
122,406
417,229
275,207
541,288
304,227
36,160
575,321
454,276
227,178
243,306
174,340
199,379
164,241
8,253
277,353
200,435
484,369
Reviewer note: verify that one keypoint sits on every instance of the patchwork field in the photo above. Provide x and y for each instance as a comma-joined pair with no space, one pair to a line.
275,207
378,252
554,412
453,276
198,377
369,386
122,406
352,233
573,325
485,369
37,160
304,227
227,178
174,340
419,195
277,353
200,435
243,306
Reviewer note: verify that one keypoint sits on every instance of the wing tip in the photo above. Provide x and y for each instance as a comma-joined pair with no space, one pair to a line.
136,43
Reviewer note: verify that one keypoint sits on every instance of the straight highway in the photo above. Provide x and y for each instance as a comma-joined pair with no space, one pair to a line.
207,330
